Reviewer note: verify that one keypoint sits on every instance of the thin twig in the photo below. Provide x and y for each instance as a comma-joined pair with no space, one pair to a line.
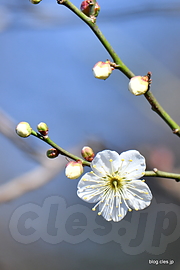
154,173
157,173
60,149
121,66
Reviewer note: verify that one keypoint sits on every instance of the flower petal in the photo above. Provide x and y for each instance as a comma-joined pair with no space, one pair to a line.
105,162
113,209
139,195
90,188
132,164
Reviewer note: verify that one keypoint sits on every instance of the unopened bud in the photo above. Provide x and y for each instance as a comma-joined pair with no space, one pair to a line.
23,129
35,1
102,70
43,128
86,8
138,85
74,169
52,153
87,153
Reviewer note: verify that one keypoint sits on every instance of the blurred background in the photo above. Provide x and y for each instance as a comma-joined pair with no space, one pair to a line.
46,60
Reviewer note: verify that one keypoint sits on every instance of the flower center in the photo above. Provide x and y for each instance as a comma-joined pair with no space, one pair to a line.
116,182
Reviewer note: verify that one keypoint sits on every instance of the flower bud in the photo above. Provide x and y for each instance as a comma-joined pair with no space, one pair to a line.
35,1
87,153
23,129
52,153
102,70
43,128
86,8
74,169
138,85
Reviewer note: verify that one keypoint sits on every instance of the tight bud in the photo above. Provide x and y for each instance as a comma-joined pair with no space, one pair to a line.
52,153
43,128
87,153
138,85
35,1
23,129
102,70
86,8
74,169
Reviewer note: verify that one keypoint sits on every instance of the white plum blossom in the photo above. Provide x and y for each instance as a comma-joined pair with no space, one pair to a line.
114,184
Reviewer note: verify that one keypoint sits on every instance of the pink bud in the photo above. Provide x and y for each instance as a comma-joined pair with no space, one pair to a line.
102,70
74,169
23,129
138,85
43,128
87,153
52,153
86,8
35,1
